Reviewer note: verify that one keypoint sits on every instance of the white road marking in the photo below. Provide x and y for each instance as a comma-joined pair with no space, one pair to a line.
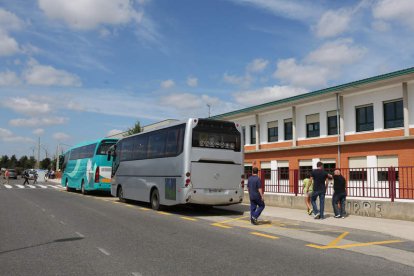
8,186
62,222
31,186
42,186
79,234
103,251
53,186
20,186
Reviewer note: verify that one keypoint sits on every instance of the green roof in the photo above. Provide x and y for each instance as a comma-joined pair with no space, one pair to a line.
320,92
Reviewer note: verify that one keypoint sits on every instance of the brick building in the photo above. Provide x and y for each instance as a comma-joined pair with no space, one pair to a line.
363,124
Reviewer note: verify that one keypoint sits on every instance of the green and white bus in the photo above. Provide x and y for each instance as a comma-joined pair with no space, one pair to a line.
86,168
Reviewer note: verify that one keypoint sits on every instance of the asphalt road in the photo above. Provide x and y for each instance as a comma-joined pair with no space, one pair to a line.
48,231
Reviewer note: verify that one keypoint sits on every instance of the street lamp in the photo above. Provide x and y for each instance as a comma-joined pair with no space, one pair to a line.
209,108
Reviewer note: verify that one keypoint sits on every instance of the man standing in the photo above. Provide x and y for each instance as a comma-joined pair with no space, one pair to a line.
256,196
319,177
339,195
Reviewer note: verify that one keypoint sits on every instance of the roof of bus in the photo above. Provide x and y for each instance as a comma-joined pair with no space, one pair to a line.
85,143
175,123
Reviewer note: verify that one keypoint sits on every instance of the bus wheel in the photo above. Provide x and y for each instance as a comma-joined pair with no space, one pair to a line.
83,191
68,189
155,200
121,194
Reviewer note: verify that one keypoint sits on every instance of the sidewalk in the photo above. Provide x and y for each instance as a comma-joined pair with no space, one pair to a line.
397,228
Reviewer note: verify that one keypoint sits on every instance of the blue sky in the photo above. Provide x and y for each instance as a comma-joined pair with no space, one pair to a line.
78,70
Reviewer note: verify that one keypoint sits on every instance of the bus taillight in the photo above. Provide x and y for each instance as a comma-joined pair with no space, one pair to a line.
187,182
97,175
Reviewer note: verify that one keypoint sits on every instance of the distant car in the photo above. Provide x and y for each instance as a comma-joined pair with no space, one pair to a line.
31,173
12,173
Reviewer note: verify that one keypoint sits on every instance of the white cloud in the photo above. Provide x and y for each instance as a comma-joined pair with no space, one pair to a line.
242,81
381,26
299,10
167,84
90,14
38,131
9,78
114,132
36,122
61,136
9,21
8,45
395,10
46,75
8,136
257,65
266,94
26,106
298,75
337,53
333,23
192,82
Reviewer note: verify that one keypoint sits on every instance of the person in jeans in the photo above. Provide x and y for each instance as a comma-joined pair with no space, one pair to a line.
257,204
319,178
339,195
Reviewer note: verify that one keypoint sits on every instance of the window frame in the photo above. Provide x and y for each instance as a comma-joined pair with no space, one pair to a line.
253,135
332,130
358,125
275,130
395,113
287,122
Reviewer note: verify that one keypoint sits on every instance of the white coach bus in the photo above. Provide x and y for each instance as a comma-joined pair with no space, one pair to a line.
198,161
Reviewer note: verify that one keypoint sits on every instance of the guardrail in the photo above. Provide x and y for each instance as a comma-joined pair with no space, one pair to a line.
379,182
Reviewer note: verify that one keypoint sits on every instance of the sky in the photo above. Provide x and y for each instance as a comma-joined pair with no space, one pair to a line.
78,70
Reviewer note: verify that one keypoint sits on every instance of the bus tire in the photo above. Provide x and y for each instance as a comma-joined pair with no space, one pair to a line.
68,189
120,194
83,191
155,200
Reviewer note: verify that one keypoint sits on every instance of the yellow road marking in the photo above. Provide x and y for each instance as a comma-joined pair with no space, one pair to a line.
366,244
333,244
230,220
264,235
221,226
164,213
338,239
129,205
144,209
187,218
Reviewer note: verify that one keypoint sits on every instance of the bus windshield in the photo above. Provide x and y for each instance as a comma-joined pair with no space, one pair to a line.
104,147
216,134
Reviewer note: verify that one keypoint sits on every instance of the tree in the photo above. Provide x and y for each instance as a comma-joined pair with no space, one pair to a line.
23,162
136,129
45,163
13,161
32,162
4,163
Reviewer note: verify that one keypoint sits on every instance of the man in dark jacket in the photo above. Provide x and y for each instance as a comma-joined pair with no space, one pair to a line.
26,177
256,196
319,177
339,195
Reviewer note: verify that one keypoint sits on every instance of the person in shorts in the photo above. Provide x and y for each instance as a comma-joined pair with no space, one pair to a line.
307,192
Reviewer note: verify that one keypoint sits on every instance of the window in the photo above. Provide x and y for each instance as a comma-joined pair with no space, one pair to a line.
358,175
156,144
312,125
244,135
83,152
140,147
364,118
332,123
104,147
329,167
216,135
304,172
288,129
248,171
272,132
393,114
127,149
283,173
253,134
175,138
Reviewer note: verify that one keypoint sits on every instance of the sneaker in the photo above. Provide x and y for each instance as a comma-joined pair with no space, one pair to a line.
343,217
253,220
317,216
310,211
337,216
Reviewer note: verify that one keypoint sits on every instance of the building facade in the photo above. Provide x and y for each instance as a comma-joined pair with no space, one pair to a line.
363,124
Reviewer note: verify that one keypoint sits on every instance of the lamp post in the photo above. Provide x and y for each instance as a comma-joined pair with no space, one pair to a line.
209,109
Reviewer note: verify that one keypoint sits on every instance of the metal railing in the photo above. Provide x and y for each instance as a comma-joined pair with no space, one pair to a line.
379,182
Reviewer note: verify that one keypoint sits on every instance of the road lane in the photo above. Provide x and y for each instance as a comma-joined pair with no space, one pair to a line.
148,242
